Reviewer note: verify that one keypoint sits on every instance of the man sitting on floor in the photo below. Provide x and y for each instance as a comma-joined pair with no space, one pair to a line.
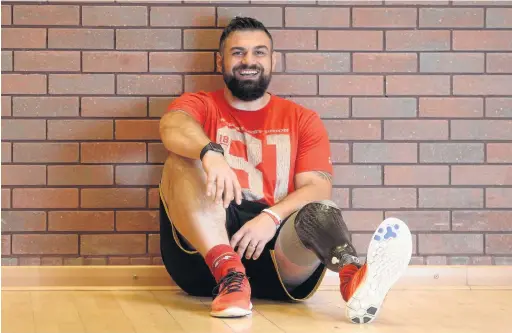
246,207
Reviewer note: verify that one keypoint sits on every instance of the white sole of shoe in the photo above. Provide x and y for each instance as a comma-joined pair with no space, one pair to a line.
232,312
387,259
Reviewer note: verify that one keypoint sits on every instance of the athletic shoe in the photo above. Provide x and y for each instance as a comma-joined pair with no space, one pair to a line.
365,288
232,296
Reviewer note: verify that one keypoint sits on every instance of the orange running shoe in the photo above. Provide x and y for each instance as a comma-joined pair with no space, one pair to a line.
232,296
388,256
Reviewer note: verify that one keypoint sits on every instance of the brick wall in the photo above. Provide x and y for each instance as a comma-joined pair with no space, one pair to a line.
416,96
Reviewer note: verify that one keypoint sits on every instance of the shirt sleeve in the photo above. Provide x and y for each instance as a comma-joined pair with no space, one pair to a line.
314,150
191,103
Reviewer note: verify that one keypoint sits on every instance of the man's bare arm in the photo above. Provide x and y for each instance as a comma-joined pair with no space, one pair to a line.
310,186
182,134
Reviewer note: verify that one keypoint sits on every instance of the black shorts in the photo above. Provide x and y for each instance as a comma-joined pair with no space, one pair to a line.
190,272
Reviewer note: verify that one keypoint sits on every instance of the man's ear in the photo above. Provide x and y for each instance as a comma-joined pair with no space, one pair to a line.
274,60
219,62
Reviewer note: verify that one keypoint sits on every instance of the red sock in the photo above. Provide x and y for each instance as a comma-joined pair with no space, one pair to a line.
221,258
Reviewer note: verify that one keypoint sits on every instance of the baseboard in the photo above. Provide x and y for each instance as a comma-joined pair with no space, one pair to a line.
156,278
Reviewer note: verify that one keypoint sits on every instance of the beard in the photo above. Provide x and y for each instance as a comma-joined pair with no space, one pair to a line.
246,89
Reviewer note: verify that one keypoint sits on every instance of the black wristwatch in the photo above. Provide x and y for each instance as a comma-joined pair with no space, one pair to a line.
211,146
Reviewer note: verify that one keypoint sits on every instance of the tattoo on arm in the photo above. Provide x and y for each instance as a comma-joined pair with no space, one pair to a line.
324,175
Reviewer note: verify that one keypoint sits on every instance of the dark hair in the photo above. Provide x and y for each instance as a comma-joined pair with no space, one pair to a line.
242,23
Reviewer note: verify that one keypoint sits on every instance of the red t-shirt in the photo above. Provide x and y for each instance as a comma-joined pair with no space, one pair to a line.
266,147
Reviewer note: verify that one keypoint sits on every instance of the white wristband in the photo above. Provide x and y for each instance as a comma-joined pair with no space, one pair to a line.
277,218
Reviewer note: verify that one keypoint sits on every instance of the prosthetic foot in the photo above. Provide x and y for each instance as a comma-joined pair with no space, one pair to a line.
320,227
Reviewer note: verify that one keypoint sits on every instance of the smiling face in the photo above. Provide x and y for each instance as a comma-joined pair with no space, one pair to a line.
247,62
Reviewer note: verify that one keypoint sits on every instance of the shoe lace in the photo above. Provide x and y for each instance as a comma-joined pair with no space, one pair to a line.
231,282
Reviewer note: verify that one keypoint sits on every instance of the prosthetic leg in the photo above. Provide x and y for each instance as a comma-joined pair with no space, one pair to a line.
321,229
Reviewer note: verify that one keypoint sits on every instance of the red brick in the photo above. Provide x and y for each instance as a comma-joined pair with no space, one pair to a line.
137,130
283,2
416,2
498,107
351,85
499,62
23,84
45,198
479,3
200,39
498,244
384,17
317,62
51,261
6,15
23,38
418,40
154,244
6,152
350,40
181,62
384,152
46,15
138,175
353,129
30,261
6,198
499,18
45,244
415,130
451,107
194,83
385,198
81,261
217,1
499,152
418,85
7,62
116,107
81,221
113,198
108,152
271,17
80,129
317,17
157,153
6,106
451,152
362,220
357,175
416,175
384,63
423,220
293,39
340,152
481,175
481,221
118,261
137,220
325,107
83,39
113,244
45,152
282,84
148,39
45,106
449,243
23,175
86,84
341,197
13,221
10,261
80,175
361,241
482,84
106,61
146,84
481,129
452,63
451,198
182,16
451,17
153,198
383,107
114,16
158,105
482,40
23,129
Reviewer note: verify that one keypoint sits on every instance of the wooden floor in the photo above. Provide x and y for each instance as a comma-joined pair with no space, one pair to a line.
411,311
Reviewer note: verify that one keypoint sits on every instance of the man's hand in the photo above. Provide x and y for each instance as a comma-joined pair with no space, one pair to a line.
221,180
253,236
